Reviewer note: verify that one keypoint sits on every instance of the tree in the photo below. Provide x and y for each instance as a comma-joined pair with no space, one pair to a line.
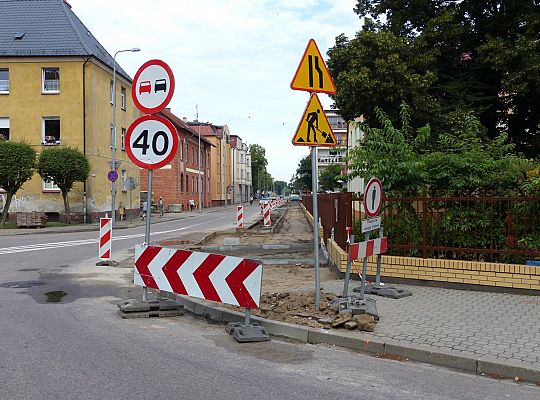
329,177
17,164
64,166
408,160
258,166
447,60
302,178
280,186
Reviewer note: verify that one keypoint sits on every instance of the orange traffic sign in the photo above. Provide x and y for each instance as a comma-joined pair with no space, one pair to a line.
314,128
312,74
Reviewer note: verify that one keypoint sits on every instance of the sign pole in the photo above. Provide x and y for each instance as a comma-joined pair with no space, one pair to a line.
315,226
364,271
348,270
148,214
379,257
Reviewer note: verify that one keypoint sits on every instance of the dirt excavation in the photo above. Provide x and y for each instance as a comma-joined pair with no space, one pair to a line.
288,288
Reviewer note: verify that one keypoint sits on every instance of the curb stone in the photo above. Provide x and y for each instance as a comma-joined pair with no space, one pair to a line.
483,365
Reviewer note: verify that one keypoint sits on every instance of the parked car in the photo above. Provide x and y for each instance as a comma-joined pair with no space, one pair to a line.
295,197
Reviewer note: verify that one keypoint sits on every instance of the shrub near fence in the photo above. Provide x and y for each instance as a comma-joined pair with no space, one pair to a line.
499,227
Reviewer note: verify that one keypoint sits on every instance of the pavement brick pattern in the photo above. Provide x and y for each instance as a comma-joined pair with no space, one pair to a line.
473,323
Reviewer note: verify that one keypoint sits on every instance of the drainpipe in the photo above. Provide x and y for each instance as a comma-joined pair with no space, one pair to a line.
84,135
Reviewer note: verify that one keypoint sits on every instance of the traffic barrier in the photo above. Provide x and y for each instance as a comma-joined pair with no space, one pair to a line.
215,277
105,238
368,248
267,220
239,216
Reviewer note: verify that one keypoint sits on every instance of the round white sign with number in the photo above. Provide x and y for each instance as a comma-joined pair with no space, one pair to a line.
151,141
373,196
153,86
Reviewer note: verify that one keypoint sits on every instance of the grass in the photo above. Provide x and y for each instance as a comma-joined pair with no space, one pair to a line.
12,225
9,225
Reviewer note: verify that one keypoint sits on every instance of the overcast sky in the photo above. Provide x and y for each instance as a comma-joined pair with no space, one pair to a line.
235,59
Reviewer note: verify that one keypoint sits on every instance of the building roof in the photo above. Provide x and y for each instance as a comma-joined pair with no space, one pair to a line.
40,28
166,112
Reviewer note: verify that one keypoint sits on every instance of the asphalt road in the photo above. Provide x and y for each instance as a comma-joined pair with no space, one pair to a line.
81,349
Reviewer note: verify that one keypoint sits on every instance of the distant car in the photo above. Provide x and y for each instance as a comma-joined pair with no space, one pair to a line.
145,87
295,197
160,85
264,200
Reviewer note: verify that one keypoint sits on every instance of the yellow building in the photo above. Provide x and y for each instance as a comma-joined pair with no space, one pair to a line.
220,156
56,90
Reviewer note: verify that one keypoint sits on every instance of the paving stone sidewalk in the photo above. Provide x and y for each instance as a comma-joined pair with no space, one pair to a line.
472,323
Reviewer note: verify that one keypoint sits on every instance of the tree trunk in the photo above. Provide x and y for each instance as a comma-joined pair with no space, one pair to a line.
6,208
66,207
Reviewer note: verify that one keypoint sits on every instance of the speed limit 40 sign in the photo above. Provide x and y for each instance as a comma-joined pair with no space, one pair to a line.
151,141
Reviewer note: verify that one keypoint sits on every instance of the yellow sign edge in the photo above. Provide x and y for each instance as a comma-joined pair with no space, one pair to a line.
302,119
324,64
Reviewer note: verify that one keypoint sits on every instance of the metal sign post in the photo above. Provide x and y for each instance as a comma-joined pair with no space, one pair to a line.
147,226
315,227
314,129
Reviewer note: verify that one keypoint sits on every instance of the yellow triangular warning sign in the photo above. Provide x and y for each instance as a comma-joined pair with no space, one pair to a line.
314,128
312,74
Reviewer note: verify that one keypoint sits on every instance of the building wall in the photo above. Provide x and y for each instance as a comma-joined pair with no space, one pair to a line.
98,138
25,105
176,182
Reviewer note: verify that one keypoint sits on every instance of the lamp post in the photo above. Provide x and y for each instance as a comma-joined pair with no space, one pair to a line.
113,133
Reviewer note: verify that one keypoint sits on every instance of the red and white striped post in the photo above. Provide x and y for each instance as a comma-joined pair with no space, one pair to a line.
105,238
267,221
239,217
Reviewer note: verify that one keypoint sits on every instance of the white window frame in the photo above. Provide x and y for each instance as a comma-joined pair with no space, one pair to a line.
111,94
52,189
5,91
123,98
4,126
123,145
44,90
43,141
123,178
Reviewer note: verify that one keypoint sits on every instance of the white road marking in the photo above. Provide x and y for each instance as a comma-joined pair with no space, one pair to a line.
56,245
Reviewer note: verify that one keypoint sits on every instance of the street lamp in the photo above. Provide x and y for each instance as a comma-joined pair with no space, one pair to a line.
114,167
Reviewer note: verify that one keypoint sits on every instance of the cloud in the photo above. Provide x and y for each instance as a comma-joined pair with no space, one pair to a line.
235,59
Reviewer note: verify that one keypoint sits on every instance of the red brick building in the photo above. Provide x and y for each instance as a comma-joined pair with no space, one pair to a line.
177,182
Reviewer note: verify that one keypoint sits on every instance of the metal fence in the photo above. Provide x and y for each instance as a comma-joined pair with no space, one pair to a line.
335,212
499,227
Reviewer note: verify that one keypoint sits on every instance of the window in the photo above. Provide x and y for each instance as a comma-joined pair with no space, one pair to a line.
123,145
50,128
187,152
111,135
51,80
123,98
50,186
181,182
111,89
123,177
4,128
4,81
181,152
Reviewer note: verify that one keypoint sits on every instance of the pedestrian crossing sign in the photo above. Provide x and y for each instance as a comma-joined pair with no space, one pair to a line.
314,128
312,74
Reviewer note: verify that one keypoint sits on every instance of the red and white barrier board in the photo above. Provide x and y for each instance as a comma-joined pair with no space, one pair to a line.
105,238
266,215
215,277
368,248
239,216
